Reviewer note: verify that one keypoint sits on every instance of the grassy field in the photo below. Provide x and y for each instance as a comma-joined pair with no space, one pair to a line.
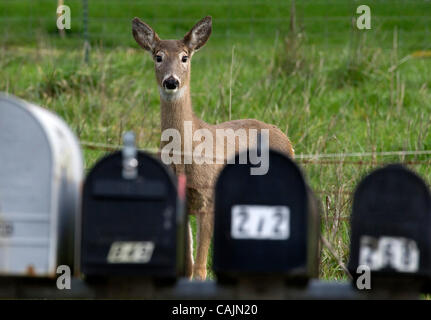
330,87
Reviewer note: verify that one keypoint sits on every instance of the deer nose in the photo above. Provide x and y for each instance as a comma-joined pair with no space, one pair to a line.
171,83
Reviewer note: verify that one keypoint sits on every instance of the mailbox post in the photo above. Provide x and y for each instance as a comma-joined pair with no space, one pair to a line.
266,226
41,171
133,219
391,227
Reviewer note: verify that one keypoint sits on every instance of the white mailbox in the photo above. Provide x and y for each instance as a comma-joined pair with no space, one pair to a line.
41,171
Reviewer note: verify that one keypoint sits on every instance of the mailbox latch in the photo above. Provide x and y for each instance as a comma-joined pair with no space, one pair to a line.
130,161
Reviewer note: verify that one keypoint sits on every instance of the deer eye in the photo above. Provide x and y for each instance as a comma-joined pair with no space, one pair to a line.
184,59
159,58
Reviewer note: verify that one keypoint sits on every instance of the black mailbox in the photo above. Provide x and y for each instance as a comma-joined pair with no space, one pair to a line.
391,226
133,222
265,225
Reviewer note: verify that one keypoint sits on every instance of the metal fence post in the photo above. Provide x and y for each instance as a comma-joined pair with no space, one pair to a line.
86,40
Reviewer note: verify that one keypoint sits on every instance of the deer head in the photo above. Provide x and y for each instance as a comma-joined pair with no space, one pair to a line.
172,58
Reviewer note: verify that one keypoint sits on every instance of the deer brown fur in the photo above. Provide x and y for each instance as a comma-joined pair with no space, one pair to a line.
173,65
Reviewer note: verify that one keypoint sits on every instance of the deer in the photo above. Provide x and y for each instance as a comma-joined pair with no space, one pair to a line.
172,61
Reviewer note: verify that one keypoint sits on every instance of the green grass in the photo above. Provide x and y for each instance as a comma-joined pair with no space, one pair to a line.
331,90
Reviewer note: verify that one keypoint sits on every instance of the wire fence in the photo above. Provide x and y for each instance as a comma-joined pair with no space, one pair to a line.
108,22
336,200
339,209
308,159
303,158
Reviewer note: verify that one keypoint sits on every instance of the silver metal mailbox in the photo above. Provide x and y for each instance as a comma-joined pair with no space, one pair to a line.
41,171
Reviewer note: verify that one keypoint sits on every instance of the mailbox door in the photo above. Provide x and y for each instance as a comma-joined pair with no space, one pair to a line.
32,181
391,223
121,217
256,204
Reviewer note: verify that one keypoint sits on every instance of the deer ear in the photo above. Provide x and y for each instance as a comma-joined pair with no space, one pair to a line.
144,35
199,34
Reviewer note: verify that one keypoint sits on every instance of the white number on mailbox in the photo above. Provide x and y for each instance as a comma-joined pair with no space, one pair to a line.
260,222
401,254
130,252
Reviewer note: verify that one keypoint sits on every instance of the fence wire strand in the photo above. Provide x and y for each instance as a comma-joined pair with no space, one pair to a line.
313,158
304,159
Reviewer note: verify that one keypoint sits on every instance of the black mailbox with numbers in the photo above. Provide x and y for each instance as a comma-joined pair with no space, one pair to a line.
391,226
133,222
265,225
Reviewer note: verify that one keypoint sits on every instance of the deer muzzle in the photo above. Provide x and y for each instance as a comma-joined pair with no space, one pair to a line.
171,83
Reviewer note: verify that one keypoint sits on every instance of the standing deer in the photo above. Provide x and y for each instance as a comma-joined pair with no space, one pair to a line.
172,60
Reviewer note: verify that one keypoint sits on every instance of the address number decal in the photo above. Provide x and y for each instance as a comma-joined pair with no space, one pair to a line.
400,254
130,252
260,222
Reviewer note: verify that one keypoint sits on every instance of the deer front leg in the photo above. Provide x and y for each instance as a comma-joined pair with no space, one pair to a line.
189,253
204,224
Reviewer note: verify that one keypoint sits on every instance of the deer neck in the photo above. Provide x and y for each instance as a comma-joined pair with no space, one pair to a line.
177,108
